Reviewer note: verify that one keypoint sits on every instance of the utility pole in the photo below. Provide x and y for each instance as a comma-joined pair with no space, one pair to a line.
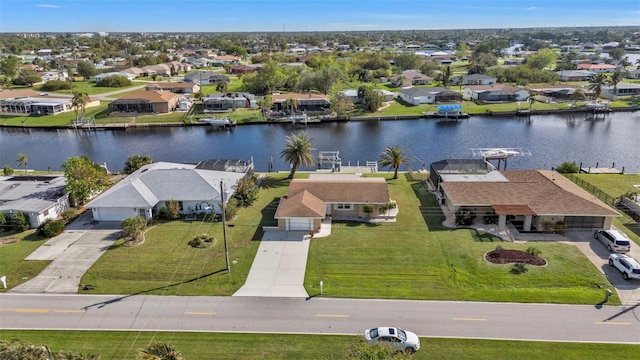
224,227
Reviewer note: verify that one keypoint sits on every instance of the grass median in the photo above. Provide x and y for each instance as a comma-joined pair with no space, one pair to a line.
125,345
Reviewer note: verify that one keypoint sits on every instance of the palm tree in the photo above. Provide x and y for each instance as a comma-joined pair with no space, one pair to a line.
22,161
445,76
298,152
292,104
578,95
393,157
615,78
265,104
598,81
80,100
531,99
158,350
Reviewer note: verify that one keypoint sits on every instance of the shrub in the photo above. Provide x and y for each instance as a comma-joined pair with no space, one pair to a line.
3,221
464,218
368,209
19,222
201,241
518,268
231,209
134,227
8,170
560,227
489,218
114,81
568,168
173,210
247,191
69,215
54,85
533,251
51,228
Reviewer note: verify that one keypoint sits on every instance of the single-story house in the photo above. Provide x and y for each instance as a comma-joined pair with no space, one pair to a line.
597,68
309,201
228,101
531,200
352,95
495,93
102,76
206,77
27,101
575,75
54,75
473,79
241,69
622,89
174,87
135,71
439,170
196,188
221,60
146,101
159,70
305,101
554,92
40,198
632,74
431,95
410,78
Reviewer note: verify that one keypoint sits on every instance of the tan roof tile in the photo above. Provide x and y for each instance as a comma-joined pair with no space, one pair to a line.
151,96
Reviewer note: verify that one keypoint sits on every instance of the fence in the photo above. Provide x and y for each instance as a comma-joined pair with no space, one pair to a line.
417,176
611,200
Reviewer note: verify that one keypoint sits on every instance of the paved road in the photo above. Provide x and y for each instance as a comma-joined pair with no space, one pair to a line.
575,323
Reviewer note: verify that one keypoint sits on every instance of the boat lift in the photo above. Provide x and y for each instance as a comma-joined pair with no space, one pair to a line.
330,157
500,154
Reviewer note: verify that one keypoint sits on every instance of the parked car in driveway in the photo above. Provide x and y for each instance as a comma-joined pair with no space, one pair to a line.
628,266
614,240
400,340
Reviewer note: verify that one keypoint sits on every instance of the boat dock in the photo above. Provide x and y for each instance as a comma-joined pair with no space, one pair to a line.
601,170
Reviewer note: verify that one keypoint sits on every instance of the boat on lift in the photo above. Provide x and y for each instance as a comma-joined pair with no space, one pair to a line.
498,154
219,122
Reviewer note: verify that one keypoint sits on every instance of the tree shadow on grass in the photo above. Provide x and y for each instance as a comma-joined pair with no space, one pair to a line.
268,212
429,208
269,182
484,237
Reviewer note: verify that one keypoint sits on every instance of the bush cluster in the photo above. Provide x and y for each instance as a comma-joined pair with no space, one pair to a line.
201,241
50,228
114,81
54,85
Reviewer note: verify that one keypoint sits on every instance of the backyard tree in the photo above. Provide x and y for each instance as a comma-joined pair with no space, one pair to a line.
568,167
598,81
393,158
541,59
85,69
265,104
614,79
84,177
79,102
28,78
135,162
297,152
22,161
9,66
406,61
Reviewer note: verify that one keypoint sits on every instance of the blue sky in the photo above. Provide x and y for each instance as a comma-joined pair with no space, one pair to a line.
307,15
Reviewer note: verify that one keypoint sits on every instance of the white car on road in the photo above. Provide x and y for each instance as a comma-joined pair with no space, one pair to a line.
628,266
399,339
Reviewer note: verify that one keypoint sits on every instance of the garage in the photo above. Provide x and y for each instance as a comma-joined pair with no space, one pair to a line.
112,214
305,224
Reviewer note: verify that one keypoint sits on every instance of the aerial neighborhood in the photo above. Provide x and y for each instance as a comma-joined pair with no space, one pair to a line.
320,228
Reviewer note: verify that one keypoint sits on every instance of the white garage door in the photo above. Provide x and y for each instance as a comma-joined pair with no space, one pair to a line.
305,224
112,214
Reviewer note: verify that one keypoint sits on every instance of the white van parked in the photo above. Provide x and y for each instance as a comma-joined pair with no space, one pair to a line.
614,240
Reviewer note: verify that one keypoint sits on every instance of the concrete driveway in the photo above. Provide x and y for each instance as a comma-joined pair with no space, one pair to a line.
72,253
594,250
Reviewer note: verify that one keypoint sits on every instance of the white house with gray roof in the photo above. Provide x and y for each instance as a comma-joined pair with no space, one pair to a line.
196,188
40,198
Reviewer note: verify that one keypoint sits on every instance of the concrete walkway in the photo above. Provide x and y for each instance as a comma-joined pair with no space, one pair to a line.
72,253
279,266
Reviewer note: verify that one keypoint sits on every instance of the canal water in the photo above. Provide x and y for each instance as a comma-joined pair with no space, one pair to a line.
552,139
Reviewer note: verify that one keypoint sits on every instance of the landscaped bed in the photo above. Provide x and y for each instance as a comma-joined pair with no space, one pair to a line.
510,256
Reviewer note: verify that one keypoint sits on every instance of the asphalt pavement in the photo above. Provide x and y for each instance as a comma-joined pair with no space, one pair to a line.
457,319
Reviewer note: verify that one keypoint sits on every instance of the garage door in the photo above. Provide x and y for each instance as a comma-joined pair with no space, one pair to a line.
305,224
584,222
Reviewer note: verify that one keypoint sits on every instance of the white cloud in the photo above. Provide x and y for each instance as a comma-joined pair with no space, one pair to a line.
531,8
48,6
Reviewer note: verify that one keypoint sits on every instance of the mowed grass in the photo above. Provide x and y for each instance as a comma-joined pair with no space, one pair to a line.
63,119
125,345
165,264
416,258
90,88
12,258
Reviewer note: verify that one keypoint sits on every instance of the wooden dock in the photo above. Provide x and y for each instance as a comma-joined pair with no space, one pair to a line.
600,170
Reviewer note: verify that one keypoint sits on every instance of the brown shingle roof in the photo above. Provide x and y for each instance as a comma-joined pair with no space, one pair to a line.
307,197
545,192
172,85
496,86
151,96
18,93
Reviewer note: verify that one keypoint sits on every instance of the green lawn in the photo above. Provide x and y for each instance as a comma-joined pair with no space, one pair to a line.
12,263
90,88
166,264
63,119
416,258
193,346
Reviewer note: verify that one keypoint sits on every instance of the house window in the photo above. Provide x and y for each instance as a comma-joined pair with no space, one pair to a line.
343,207
46,213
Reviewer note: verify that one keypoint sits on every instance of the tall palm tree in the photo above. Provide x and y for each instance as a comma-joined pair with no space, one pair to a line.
80,100
615,78
598,81
393,157
292,104
578,95
22,161
158,350
297,152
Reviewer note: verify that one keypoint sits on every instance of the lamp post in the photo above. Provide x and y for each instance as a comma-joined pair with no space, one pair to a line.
224,227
